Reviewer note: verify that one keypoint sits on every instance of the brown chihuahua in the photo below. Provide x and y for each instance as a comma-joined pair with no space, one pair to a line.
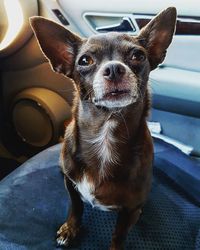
107,151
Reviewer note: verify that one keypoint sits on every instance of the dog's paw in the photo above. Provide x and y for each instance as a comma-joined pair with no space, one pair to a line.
66,234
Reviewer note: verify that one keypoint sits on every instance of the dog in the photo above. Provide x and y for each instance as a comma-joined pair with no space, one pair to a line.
107,151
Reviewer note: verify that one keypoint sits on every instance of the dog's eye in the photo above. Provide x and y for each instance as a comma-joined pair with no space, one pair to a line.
85,60
138,55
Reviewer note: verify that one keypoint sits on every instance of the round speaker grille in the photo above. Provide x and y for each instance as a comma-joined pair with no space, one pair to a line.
39,115
32,123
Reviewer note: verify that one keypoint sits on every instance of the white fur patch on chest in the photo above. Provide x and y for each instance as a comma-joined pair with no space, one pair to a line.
105,143
86,189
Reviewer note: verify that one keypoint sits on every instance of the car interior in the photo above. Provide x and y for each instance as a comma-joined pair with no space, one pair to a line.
36,107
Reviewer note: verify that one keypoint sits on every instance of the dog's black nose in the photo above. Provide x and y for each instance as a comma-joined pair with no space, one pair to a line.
114,71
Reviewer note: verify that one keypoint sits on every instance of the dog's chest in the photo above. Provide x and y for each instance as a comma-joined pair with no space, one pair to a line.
87,190
102,145
99,151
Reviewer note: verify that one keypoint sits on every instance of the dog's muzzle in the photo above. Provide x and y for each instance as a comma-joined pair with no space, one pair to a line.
115,85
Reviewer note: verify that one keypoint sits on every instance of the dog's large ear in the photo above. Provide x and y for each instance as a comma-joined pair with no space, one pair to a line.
157,35
57,43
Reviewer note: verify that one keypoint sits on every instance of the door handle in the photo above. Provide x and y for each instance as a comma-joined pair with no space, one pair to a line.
125,25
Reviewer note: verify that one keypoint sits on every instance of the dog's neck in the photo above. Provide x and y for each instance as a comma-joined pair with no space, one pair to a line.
94,117
105,136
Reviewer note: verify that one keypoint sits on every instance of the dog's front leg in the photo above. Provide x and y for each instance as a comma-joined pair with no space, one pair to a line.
69,230
126,218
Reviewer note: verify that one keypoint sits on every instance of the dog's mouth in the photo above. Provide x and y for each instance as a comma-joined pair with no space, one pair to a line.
116,94
115,98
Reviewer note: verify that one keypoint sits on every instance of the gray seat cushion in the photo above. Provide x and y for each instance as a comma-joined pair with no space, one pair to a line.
34,203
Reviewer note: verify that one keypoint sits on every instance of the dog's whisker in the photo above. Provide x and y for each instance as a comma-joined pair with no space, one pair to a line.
155,82
124,121
88,93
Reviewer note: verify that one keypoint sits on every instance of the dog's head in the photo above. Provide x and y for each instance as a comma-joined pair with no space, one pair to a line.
111,70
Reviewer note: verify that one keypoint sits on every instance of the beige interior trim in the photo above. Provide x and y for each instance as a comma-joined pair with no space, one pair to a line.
28,8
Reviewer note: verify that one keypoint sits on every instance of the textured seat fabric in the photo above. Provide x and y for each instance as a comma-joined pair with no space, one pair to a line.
34,203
